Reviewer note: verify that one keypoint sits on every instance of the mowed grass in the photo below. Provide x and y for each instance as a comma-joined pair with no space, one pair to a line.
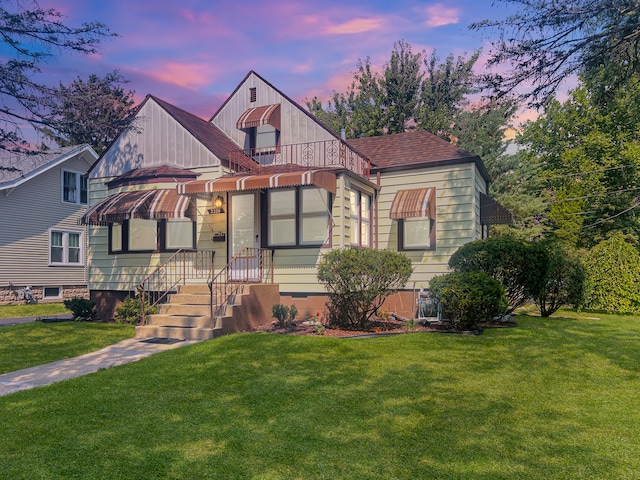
30,344
32,310
551,398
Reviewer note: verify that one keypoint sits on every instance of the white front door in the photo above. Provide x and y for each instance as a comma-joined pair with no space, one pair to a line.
244,227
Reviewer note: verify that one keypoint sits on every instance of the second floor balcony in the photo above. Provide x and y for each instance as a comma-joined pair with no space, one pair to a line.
323,154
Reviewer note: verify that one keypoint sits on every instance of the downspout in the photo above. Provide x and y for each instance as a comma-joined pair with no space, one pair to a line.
376,209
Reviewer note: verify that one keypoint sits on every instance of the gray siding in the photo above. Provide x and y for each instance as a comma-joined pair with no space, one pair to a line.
26,215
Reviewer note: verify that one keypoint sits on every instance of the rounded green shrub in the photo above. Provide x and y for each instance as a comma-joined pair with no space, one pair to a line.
613,268
518,266
358,281
81,308
468,298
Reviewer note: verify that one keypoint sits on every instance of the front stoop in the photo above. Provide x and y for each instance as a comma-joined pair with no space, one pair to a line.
186,315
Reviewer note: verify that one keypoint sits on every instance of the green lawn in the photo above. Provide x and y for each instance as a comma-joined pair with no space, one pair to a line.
29,344
31,310
551,398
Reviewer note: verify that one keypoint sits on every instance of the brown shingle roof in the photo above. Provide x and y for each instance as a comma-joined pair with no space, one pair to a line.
208,134
411,149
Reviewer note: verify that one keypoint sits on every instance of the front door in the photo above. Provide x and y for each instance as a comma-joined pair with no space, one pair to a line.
244,229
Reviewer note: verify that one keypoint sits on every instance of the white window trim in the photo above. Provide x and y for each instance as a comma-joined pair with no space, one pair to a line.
44,289
65,247
78,182
356,237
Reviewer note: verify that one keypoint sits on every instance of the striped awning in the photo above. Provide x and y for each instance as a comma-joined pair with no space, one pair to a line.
258,116
147,204
418,202
234,183
492,212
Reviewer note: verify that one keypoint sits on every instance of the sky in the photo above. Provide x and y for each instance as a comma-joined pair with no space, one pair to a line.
194,53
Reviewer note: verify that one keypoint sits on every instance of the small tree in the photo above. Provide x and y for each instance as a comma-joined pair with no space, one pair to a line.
358,281
564,282
468,298
613,267
519,266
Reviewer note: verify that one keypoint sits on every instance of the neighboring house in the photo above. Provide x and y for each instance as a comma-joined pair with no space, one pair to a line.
264,175
42,197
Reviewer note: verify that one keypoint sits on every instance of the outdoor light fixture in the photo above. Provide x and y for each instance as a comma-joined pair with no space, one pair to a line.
218,204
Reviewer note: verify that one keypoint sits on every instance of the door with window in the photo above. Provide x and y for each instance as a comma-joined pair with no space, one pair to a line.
244,238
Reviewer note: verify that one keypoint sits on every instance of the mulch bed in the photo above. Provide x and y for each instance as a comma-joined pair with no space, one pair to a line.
386,327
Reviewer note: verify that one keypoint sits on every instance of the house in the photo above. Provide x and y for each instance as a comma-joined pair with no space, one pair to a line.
42,197
257,194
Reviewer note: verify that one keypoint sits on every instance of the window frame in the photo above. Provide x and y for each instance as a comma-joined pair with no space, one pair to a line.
401,234
161,238
298,216
66,233
81,187
356,215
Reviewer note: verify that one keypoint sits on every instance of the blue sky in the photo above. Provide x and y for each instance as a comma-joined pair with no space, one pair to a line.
193,53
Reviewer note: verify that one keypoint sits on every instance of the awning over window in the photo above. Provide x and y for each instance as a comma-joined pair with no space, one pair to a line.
258,116
147,204
320,178
492,212
418,202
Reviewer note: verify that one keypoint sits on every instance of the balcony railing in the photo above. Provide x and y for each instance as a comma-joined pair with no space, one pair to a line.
328,153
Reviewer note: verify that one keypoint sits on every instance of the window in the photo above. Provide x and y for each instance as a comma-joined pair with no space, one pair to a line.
415,233
360,219
52,292
253,94
263,141
298,217
74,187
65,247
141,235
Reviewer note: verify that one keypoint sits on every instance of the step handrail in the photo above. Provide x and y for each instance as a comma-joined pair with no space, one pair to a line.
180,266
249,265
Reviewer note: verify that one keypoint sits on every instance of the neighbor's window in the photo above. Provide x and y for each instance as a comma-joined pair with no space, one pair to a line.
298,216
360,204
74,187
415,233
65,247
52,292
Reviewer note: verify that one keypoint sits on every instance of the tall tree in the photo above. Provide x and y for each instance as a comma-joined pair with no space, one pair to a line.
93,112
547,41
30,36
445,91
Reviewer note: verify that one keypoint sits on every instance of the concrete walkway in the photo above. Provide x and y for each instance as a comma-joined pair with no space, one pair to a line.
126,351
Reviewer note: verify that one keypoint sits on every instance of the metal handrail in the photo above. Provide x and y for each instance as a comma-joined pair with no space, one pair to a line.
326,153
182,265
249,265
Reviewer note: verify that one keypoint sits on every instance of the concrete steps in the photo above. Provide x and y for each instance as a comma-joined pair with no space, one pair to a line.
186,315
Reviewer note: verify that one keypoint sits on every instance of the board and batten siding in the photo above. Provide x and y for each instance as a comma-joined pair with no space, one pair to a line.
27,213
156,139
296,126
457,215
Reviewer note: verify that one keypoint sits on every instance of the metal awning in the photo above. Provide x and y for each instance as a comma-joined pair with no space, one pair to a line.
234,183
418,202
492,212
147,204
259,116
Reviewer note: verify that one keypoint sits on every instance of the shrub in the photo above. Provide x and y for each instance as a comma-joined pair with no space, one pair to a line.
81,308
564,282
613,268
130,310
285,315
468,298
519,266
358,281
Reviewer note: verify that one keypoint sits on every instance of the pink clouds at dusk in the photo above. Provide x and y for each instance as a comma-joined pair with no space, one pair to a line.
193,53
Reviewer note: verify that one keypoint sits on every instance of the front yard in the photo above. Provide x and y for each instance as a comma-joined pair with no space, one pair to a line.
550,398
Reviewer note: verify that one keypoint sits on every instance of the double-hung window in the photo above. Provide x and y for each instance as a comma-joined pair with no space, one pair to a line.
298,217
65,247
360,208
74,187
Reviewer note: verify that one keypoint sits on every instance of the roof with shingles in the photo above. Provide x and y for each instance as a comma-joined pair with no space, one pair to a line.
412,149
19,168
